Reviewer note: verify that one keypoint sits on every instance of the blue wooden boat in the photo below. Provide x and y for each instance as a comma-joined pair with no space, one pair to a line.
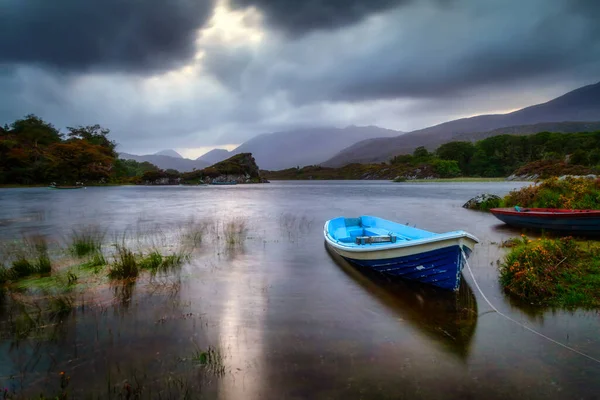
573,222
224,183
400,250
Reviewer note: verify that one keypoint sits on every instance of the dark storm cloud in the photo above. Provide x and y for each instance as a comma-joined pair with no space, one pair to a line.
301,16
423,50
107,35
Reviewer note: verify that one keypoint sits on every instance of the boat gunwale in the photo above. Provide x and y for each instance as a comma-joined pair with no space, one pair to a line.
440,237
549,213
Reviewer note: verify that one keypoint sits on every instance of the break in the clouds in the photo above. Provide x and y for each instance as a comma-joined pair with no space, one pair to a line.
195,73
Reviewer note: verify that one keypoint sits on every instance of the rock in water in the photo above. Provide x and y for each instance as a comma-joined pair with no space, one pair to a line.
240,168
483,202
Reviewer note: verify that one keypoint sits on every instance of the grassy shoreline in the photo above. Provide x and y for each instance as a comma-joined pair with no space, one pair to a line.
559,272
458,180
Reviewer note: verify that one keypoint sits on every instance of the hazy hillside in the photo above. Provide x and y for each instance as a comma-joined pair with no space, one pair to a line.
582,104
214,156
559,127
288,149
169,152
167,162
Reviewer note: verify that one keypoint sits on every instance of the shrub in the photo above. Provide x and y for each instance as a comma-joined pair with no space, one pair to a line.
569,193
534,270
446,168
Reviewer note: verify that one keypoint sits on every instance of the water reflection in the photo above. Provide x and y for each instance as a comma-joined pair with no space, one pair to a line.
447,317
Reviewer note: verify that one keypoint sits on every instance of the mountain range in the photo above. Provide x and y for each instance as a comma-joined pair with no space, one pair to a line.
582,104
168,162
279,150
576,111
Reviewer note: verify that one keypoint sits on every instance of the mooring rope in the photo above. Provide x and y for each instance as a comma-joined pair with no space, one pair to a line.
519,323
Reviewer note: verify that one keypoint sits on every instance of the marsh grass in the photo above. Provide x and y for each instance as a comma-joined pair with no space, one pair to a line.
125,264
234,231
155,262
211,359
95,262
294,225
60,306
193,233
86,241
553,272
29,257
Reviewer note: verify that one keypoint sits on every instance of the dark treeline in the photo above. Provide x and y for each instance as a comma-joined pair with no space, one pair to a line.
33,151
500,156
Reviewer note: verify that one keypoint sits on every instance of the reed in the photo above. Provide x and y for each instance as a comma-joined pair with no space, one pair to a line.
96,260
125,265
210,358
234,231
86,241
60,306
155,262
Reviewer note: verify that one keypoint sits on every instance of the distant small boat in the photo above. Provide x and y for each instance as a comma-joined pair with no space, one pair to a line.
400,250
65,187
577,222
224,183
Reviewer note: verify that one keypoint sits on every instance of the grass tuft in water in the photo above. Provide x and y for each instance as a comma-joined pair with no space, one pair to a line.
60,306
96,260
156,262
235,231
30,257
125,264
210,358
86,241
152,261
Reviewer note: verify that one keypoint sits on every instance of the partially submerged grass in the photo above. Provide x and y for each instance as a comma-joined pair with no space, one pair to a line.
553,272
86,241
125,264
29,257
155,262
96,261
210,358
60,306
234,231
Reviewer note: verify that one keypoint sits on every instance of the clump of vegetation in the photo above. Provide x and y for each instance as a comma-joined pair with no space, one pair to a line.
545,169
569,193
28,258
553,272
3,274
156,262
60,306
235,231
210,358
125,265
86,241
96,260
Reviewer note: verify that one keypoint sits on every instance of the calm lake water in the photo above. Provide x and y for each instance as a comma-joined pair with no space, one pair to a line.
290,320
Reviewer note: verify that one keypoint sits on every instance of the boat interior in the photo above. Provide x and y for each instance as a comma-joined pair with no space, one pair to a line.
368,230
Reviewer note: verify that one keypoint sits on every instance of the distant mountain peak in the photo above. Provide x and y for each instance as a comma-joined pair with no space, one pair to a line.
215,155
169,153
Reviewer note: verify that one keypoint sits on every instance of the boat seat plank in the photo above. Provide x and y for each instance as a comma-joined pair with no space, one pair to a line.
376,239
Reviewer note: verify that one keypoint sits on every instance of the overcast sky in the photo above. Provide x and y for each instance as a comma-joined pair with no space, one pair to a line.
195,74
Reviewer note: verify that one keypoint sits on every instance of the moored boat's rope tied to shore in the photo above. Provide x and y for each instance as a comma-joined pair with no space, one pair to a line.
517,322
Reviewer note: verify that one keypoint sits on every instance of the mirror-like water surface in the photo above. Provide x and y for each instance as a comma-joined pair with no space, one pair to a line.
289,319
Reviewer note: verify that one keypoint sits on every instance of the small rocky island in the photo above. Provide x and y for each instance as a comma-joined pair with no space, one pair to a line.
240,168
